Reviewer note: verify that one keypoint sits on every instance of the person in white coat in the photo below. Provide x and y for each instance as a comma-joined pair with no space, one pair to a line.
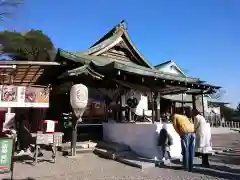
203,142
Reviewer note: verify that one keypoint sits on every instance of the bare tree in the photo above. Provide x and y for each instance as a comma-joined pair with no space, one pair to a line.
7,6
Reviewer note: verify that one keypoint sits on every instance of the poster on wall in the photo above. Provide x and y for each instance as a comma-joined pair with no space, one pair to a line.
9,96
36,97
20,96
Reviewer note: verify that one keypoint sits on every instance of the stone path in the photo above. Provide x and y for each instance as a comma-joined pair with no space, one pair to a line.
90,167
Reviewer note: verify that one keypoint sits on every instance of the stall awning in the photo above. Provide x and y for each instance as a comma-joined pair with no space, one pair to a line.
22,72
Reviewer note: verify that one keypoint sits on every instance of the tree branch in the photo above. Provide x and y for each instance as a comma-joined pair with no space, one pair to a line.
10,3
5,5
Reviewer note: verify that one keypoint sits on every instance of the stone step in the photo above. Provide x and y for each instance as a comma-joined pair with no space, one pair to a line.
104,153
110,154
112,146
125,157
134,161
80,145
67,152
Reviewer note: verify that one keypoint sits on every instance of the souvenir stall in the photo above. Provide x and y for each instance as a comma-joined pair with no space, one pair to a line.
23,103
19,101
19,98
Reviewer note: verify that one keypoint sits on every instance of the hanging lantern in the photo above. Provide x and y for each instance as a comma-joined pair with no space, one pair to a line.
79,99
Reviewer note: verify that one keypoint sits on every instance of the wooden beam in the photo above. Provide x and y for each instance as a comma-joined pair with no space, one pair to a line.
182,104
153,111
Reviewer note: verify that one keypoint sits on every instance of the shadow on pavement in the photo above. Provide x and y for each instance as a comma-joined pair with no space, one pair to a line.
224,169
218,174
26,159
139,158
20,179
22,158
234,160
214,171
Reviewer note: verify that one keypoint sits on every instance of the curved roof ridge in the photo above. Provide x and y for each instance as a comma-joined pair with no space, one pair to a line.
119,27
162,64
159,66
136,50
118,33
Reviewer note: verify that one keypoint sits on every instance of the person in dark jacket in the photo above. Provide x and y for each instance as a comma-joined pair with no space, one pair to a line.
23,141
164,142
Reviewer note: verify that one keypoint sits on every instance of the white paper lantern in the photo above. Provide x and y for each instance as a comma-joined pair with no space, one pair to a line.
79,99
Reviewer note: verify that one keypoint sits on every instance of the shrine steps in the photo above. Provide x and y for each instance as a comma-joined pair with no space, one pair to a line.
123,154
81,147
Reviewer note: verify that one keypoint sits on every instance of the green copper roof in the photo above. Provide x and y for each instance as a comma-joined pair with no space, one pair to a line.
159,66
106,62
112,38
85,69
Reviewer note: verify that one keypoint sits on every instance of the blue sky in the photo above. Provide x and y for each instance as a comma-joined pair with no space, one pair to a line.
202,36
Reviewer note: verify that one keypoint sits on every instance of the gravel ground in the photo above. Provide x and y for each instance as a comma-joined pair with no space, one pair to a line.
91,167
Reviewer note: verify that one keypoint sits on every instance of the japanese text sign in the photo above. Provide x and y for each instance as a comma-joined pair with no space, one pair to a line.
6,149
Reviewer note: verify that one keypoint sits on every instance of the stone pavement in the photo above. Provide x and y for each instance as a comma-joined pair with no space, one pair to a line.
222,130
90,167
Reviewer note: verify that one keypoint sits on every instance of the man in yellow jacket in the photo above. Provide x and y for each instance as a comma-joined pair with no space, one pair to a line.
185,128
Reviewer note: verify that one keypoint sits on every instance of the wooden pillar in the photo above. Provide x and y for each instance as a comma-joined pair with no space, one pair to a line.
106,111
117,112
194,101
120,109
74,136
182,105
158,106
203,105
123,104
153,112
155,103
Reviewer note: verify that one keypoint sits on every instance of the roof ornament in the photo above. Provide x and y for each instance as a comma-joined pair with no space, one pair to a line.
121,26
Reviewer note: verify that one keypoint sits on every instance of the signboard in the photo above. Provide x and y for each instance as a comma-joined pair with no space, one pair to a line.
55,139
20,96
6,151
95,108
